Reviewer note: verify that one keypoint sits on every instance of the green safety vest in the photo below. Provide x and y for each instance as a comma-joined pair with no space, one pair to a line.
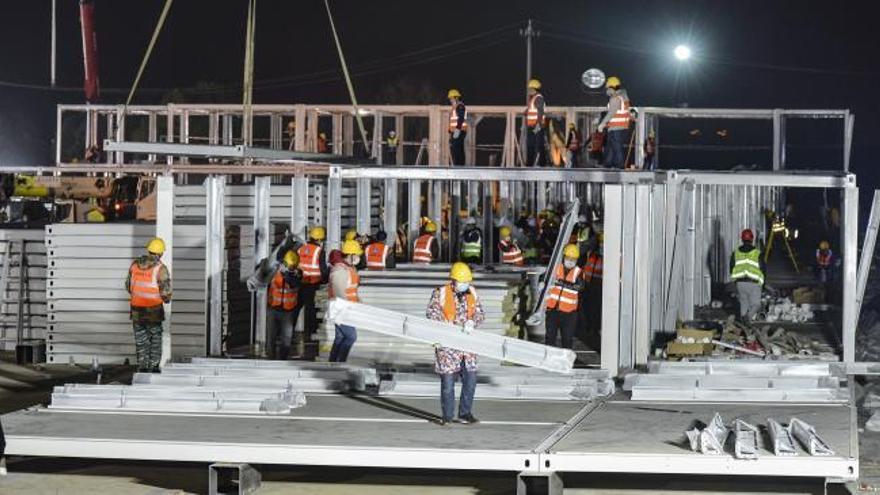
469,249
747,266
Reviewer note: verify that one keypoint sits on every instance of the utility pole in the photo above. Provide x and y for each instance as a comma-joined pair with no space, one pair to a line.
52,56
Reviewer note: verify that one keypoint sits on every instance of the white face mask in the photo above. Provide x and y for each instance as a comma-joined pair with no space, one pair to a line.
568,264
462,287
354,259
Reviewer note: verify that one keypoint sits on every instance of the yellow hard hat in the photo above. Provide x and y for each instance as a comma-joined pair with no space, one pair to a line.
612,82
504,231
534,84
291,259
352,246
601,237
430,227
318,233
156,246
453,93
824,245
460,272
571,251
351,235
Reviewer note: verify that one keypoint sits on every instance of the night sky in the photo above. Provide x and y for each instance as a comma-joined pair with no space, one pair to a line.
794,54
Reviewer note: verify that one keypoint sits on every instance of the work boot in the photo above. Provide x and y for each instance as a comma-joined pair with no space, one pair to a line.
468,420
445,422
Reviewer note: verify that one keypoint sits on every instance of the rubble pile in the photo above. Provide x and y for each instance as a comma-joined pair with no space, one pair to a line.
774,341
785,310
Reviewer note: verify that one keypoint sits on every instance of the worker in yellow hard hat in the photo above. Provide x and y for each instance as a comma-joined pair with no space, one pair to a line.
591,297
509,251
149,286
456,302
425,247
616,122
378,254
344,281
562,299
824,262
458,127
313,265
536,143
392,141
351,235
282,298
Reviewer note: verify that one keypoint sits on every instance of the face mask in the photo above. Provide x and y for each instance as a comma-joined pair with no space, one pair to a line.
462,287
354,260
568,264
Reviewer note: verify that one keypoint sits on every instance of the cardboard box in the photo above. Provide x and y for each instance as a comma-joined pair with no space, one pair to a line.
681,349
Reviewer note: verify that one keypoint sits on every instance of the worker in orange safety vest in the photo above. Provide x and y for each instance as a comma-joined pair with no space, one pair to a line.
149,287
562,300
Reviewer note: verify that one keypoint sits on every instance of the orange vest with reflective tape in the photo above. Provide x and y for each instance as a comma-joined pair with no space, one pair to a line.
377,253
281,295
309,263
422,249
622,117
593,268
823,259
532,111
144,286
563,298
447,301
510,253
453,119
351,292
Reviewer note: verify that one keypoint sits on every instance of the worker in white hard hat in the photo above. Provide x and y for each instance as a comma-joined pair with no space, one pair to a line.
536,144
344,282
471,250
616,122
456,302
149,287
458,127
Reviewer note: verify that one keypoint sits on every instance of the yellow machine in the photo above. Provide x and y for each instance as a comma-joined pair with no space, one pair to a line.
92,199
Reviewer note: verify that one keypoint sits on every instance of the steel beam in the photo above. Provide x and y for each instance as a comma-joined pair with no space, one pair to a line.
627,278
215,240
262,241
363,209
642,266
299,202
414,213
613,225
389,219
334,210
165,231
867,256
849,235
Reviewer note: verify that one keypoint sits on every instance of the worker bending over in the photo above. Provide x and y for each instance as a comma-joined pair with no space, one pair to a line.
379,255
314,273
456,302
617,120
471,242
425,248
747,270
344,281
536,145
457,127
283,306
562,300
149,285
508,249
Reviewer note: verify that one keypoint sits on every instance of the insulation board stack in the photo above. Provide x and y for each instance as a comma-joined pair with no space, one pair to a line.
34,317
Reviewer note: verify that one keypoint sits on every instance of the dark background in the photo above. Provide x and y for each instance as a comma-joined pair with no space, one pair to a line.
770,54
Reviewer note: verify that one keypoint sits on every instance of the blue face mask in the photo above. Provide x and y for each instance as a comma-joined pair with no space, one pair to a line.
462,287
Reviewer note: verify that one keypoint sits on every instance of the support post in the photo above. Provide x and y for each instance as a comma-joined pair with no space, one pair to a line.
165,231
363,208
848,125
390,212
643,274
435,137
778,140
334,209
299,139
337,134
849,248
401,130
58,122
613,232
215,187
299,219
539,483
641,137
627,277
864,268
262,241
414,213
679,257
436,211
378,134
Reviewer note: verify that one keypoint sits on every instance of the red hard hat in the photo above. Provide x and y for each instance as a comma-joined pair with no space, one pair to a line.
747,235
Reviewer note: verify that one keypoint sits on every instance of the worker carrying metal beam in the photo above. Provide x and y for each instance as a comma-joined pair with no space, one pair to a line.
536,144
314,273
616,122
562,300
747,270
425,248
471,250
344,282
458,127
284,308
149,286
378,254
457,302
508,249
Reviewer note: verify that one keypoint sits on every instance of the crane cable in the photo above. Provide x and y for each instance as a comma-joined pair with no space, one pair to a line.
357,114
146,58
248,83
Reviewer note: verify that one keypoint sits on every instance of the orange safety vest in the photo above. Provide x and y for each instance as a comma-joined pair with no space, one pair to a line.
351,292
144,286
309,263
823,259
563,298
453,119
447,301
422,249
622,117
532,111
510,253
575,142
281,294
593,268
377,253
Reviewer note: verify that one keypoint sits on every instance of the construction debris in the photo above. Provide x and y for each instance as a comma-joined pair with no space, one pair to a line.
711,439
809,439
783,444
746,440
782,309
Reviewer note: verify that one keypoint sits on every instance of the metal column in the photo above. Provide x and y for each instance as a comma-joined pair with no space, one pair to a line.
390,212
627,276
643,274
849,248
334,209
436,211
611,278
778,140
215,188
414,212
299,204
164,231
867,256
363,206
262,241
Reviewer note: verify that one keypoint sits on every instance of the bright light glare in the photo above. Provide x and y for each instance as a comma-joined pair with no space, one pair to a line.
682,52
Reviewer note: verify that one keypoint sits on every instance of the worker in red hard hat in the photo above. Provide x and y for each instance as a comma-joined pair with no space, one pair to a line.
747,270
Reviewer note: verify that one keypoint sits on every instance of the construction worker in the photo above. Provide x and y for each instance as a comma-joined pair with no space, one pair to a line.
536,145
824,262
547,239
616,122
149,286
572,145
314,273
344,281
425,248
456,302
291,134
379,255
562,299
283,306
747,270
322,143
508,249
591,296
458,127
471,242
391,144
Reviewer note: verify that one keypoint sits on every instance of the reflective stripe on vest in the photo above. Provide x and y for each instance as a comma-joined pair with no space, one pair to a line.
747,266
453,119
422,249
621,117
281,295
510,253
469,249
593,268
563,298
351,292
377,253
144,285
447,302
823,260
309,263
532,111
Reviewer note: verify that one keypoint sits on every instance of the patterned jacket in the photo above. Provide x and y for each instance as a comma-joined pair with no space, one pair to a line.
450,360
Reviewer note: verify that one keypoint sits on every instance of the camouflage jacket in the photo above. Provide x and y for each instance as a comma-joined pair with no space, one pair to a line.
157,314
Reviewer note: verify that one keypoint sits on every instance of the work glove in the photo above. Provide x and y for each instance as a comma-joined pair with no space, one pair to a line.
456,133
468,327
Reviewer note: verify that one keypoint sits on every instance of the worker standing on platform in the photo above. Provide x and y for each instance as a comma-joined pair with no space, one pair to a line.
149,285
572,145
378,254
562,300
747,270
616,121
457,302
391,144
471,242
824,262
536,145
458,127
322,143
314,273
283,306
591,296
344,281
425,248
508,249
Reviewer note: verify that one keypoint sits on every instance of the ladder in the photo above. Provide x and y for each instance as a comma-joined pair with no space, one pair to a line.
22,296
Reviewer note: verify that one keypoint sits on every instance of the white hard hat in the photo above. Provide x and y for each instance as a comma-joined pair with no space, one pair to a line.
470,221
582,218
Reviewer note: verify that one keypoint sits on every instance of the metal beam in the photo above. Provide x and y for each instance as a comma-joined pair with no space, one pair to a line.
849,235
334,210
867,256
262,241
215,239
165,230
363,209
219,151
299,219
611,260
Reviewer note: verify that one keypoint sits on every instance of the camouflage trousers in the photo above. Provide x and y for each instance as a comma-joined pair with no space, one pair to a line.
148,345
